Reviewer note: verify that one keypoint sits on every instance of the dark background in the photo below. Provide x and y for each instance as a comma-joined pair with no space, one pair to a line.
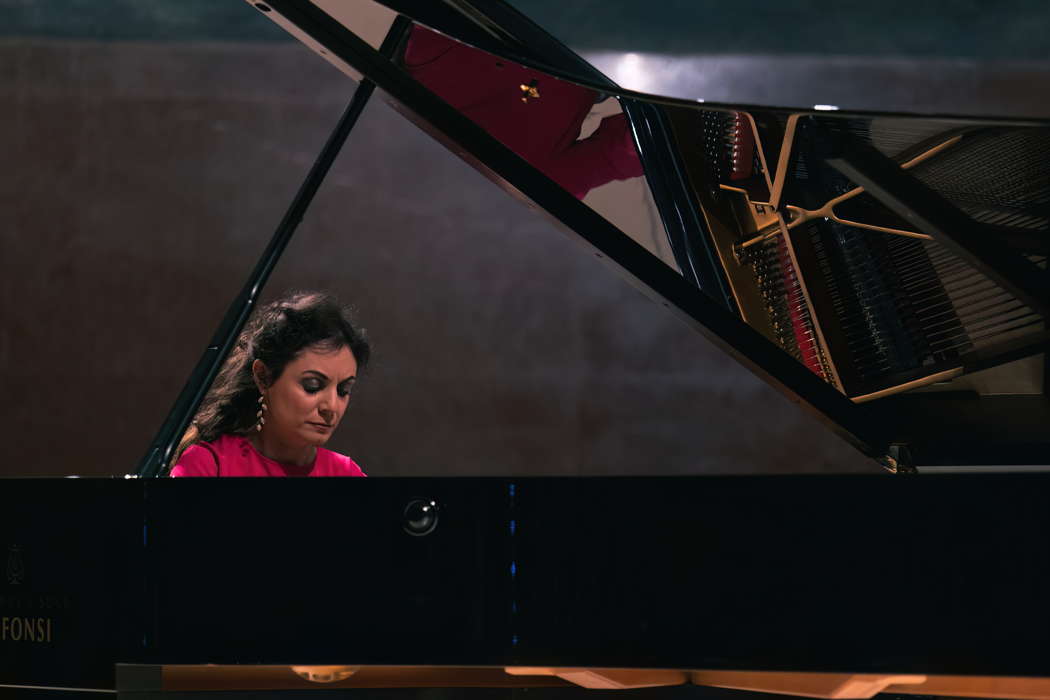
1013,30
149,157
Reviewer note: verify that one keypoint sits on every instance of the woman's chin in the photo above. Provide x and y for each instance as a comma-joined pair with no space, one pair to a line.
316,437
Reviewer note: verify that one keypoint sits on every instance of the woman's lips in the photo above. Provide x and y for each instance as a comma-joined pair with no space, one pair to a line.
321,427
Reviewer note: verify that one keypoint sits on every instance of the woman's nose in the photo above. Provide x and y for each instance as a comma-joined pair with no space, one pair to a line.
326,404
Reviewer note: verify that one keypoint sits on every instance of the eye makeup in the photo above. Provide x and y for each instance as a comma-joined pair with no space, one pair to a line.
316,382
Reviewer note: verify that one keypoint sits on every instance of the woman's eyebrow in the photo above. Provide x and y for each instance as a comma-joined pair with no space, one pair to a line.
350,379
322,375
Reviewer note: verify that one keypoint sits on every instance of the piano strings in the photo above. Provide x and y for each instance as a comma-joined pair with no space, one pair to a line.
894,304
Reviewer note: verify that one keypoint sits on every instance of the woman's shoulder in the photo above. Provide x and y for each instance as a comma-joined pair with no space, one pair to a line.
331,463
199,459
203,458
227,443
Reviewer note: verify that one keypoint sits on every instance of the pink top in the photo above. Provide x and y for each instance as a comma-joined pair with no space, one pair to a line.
233,455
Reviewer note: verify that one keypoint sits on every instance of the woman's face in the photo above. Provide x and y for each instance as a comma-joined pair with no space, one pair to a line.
306,403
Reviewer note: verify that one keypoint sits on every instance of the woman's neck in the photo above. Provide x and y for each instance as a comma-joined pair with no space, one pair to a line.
282,453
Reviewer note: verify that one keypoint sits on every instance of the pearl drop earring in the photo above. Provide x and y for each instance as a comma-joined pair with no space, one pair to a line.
259,415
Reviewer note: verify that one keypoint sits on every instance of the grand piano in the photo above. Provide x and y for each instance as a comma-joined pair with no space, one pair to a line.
885,269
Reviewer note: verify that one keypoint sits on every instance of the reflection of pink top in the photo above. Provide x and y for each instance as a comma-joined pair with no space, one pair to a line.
233,455
545,130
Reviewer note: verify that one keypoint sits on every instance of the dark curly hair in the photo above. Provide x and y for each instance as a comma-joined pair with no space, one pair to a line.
276,334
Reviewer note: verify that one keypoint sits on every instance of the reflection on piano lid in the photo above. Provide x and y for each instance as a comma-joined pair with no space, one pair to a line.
859,294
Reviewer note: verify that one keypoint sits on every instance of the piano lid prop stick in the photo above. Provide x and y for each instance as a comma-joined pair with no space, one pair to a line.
161,449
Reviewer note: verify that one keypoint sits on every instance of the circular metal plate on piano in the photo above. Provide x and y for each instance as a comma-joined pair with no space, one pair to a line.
420,516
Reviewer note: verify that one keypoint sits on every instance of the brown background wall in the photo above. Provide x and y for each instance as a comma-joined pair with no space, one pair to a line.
142,181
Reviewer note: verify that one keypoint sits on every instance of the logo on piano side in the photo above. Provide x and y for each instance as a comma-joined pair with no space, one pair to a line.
16,570
25,629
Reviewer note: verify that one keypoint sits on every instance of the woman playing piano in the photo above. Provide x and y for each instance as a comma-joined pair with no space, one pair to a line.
280,395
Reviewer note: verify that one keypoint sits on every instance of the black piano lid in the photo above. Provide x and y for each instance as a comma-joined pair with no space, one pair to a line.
859,58
934,79
914,429
890,56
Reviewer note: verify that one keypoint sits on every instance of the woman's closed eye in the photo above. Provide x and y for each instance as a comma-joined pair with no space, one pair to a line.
312,386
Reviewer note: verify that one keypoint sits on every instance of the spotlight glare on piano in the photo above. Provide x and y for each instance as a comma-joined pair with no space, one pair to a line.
631,70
